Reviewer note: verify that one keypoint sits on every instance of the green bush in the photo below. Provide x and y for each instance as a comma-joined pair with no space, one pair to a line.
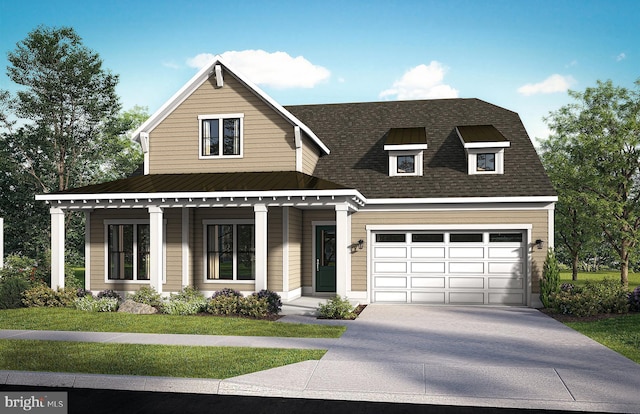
336,308
91,304
550,282
223,305
607,296
148,296
189,301
273,299
253,307
11,290
43,296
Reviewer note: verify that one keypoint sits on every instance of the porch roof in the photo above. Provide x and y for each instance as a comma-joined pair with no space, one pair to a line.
203,189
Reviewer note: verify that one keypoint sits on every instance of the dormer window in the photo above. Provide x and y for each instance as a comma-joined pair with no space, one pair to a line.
405,147
484,146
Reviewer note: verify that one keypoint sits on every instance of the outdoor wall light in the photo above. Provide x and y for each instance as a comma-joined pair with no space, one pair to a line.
360,244
539,244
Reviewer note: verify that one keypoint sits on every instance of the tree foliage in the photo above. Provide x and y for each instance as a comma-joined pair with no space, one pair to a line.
599,137
62,129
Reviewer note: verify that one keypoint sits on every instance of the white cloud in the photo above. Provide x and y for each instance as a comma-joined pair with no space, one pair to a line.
170,65
421,82
554,83
621,56
276,70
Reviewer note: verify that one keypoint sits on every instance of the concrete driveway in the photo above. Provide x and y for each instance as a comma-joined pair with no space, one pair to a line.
480,356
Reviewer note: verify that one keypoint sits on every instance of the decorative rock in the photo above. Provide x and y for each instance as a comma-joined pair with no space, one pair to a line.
129,306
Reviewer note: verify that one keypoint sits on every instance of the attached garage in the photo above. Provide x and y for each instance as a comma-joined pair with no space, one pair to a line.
449,267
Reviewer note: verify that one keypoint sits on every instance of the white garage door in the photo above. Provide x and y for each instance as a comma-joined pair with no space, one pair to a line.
474,267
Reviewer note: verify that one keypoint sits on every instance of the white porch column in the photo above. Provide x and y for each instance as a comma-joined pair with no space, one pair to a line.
87,250
186,252
260,223
156,260
343,235
57,248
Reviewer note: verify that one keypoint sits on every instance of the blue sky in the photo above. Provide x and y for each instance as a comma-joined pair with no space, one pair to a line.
522,55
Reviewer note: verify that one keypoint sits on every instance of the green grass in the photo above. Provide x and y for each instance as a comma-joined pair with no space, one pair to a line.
565,277
147,360
63,319
622,334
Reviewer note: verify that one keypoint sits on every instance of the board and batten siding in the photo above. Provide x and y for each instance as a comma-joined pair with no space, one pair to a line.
538,219
268,138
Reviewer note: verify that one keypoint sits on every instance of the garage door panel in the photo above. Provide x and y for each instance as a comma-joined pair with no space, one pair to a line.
505,252
427,282
391,282
466,282
390,252
427,267
382,296
466,298
506,298
505,267
427,252
454,268
466,267
466,252
391,267
428,297
506,283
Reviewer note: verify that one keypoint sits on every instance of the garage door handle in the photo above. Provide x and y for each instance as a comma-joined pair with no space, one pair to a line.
317,265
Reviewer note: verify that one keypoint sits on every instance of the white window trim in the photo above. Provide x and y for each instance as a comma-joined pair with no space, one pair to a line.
393,163
205,224
106,251
473,160
219,117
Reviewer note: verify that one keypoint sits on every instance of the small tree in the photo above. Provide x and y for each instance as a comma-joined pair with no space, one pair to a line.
550,282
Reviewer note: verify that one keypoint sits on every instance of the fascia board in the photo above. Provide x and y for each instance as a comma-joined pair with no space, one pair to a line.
462,200
502,144
406,147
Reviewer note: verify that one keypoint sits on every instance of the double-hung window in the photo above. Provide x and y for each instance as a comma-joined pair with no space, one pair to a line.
221,135
230,250
128,251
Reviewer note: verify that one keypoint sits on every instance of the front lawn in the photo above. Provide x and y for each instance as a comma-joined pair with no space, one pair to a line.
65,319
565,277
146,360
620,333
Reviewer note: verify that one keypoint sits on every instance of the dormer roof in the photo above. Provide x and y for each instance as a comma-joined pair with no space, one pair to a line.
406,139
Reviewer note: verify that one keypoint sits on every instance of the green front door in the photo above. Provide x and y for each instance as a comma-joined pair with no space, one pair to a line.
325,258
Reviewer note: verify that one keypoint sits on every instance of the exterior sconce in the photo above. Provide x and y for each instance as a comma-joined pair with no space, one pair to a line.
539,244
360,244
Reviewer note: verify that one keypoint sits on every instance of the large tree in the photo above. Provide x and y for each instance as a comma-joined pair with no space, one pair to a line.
599,135
68,100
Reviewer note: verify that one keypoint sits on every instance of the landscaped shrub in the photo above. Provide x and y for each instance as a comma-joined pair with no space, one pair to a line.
550,282
11,289
336,308
82,292
273,299
607,296
90,304
253,307
223,305
226,292
109,293
189,301
634,300
148,296
17,276
44,296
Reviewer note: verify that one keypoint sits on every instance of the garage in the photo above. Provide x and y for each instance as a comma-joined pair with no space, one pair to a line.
449,267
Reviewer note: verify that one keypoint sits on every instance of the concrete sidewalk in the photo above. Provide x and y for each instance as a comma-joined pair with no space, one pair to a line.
469,356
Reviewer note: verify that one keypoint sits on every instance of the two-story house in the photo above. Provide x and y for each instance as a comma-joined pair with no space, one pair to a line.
426,201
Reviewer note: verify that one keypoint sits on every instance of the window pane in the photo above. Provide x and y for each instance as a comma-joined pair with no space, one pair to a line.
505,237
246,252
391,238
212,258
427,238
486,162
406,164
143,252
466,238
231,134
225,251
210,137
120,251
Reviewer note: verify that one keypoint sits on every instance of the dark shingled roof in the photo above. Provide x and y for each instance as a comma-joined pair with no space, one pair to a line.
406,136
240,181
480,133
355,134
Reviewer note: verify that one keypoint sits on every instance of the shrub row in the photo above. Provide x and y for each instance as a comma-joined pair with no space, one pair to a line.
607,296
